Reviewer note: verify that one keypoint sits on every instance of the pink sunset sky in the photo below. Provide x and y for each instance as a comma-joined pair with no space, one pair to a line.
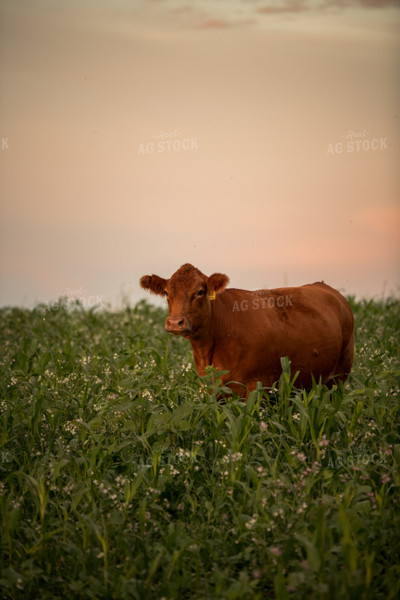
256,138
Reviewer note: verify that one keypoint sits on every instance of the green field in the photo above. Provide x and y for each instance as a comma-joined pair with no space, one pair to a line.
121,476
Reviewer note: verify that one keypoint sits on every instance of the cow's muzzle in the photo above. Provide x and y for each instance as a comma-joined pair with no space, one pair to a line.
177,325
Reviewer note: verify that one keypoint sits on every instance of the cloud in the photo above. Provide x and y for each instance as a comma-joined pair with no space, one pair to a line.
216,24
379,3
380,220
247,13
225,23
364,3
301,6
288,7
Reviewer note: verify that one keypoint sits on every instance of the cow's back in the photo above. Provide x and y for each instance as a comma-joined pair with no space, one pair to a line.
312,324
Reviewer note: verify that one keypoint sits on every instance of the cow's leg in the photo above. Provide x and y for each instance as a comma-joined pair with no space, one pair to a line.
345,363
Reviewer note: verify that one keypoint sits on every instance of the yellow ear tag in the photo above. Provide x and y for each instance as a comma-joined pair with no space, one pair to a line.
211,295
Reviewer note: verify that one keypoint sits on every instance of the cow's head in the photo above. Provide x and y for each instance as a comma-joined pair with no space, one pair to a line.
190,294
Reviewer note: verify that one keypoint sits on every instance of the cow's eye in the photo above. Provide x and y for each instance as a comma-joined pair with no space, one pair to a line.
200,293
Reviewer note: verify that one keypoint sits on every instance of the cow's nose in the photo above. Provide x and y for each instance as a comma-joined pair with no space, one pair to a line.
176,324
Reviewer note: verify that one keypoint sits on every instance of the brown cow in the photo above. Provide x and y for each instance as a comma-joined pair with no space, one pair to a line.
247,333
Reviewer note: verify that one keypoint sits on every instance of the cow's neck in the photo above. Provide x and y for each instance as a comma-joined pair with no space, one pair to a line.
202,355
203,348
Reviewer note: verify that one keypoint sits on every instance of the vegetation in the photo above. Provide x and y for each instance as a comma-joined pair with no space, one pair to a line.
122,476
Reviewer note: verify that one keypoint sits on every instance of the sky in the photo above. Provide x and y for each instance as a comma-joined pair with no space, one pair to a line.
254,138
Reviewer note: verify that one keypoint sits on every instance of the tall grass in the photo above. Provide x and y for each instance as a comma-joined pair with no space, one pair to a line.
123,476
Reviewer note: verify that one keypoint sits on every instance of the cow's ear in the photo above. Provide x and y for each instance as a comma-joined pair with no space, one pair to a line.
217,282
154,284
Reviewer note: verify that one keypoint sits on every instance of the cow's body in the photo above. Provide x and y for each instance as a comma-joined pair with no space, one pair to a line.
247,333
